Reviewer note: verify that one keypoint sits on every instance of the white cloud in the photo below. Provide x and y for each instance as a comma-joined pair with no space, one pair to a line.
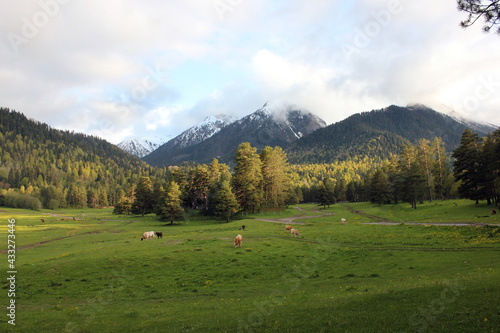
96,63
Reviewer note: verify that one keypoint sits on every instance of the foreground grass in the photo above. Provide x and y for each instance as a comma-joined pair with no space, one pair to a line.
95,275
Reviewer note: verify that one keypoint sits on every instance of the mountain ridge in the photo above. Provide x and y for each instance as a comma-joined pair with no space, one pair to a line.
275,126
377,133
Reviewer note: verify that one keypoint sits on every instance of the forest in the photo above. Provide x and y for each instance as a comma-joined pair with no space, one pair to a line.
41,167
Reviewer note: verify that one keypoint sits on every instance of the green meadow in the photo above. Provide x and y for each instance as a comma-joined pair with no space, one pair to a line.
94,274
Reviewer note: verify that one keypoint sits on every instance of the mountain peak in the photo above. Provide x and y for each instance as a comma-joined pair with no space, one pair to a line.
223,118
274,124
141,146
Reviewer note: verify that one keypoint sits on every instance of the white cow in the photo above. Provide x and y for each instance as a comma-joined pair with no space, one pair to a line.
294,232
147,235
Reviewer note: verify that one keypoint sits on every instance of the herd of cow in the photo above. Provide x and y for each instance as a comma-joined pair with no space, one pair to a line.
238,240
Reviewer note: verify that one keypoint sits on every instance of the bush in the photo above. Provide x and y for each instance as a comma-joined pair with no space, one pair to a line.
53,204
18,200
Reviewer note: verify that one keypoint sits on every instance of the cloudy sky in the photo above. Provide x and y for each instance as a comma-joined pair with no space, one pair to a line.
121,68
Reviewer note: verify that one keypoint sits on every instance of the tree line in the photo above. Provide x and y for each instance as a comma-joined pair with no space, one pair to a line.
258,181
425,172
41,167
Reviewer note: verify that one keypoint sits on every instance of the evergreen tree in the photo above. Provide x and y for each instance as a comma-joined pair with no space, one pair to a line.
226,204
440,169
214,173
123,207
217,173
340,190
291,199
351,193
102,198
171,209
489,161
247,178
411,176
424,156
379,188
326,193
158,196
143,203
467,166
276,182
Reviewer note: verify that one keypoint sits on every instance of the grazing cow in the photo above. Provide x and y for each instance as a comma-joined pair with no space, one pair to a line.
43,220
288,227
159,234
343,220
238,241
294,233
147,235
493,212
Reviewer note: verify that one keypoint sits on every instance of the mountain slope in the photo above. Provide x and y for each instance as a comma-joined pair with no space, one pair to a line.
474,126
378,133
63,168
16,123
265,127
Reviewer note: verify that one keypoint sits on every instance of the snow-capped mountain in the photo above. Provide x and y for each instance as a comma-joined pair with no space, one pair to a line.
140,146
200,132
271,125
190,137
469,123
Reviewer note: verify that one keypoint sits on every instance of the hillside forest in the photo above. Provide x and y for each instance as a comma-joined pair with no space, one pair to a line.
41,167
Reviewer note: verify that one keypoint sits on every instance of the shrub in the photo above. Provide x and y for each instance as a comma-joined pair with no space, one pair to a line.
18,200
53,204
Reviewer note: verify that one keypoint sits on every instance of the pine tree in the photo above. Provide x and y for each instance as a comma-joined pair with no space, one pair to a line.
158,196
440,168
412,180
379,188
247,179
467,166
489,161
226,204
276,182
424,156
171,209
143,203
326,193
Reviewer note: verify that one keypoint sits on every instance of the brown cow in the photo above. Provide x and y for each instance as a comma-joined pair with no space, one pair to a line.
238,241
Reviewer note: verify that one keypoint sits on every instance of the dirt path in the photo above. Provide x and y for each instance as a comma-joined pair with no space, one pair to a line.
291,219
360,212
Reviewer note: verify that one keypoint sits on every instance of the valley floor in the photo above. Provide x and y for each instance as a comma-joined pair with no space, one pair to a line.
415,274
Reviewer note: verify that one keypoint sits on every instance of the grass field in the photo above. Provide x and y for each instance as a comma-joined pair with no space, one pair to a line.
93,274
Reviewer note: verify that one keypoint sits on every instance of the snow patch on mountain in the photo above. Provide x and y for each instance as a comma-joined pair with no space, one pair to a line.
473,125
141,146
204,130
